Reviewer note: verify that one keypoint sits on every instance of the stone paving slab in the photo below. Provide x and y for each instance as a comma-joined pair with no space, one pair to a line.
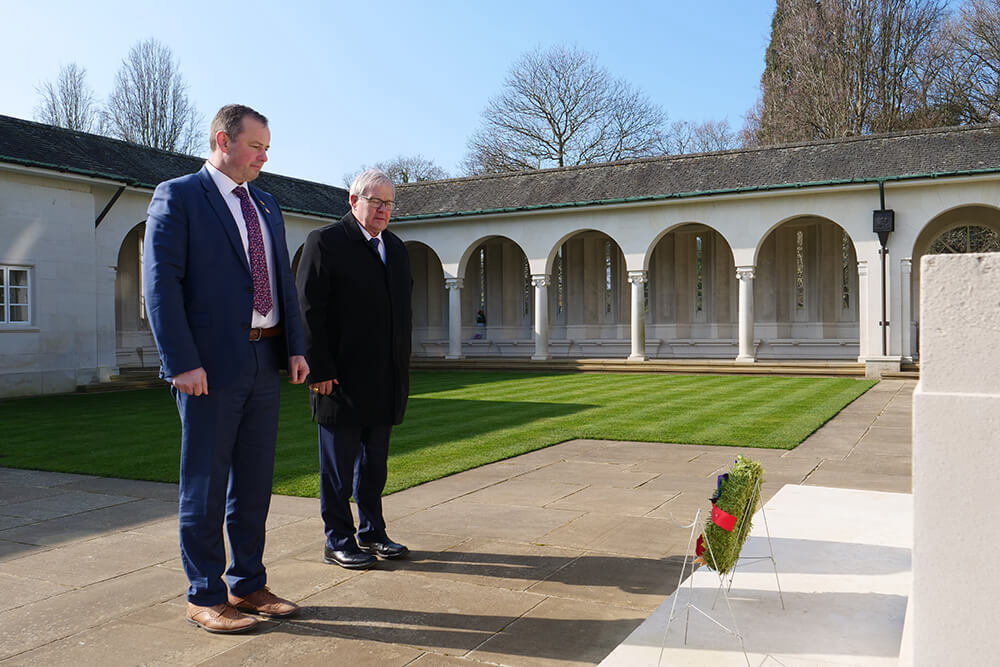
552,557
844,585
64,529
512,566
558,628
64,503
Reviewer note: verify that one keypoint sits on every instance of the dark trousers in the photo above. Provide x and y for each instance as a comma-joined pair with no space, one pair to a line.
227,468
352,459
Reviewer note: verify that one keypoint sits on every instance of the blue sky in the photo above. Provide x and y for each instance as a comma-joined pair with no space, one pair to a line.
351,84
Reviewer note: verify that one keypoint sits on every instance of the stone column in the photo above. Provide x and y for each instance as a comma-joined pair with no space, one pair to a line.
638,279
906,307
864,317
541,284
107,330
454,286
745,275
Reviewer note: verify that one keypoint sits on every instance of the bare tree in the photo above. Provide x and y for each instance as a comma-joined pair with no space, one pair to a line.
403,169
69,102
976,72
687,137
149,103
838,68
559,108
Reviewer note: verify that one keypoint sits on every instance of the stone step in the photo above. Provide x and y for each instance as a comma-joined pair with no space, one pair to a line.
686,366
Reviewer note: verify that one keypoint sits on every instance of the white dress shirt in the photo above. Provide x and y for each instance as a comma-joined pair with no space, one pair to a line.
369,237
226,185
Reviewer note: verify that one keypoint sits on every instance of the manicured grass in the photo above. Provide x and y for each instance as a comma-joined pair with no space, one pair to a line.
455,421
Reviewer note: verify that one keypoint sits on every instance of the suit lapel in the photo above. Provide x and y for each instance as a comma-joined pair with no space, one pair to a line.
224,215
269,217
352,228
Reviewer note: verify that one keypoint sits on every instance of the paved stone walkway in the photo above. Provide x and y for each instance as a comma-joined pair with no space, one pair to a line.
550,558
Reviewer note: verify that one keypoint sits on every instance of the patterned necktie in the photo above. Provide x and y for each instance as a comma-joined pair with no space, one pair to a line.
258,260
373,242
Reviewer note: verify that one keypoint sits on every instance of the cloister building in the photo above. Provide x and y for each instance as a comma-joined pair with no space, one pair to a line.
749,256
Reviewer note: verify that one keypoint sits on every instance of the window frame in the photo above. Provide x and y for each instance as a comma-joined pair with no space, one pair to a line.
6,288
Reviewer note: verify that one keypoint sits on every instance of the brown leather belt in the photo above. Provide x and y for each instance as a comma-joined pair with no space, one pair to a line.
259,333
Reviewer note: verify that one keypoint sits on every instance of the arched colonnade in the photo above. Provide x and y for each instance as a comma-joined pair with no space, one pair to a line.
787,275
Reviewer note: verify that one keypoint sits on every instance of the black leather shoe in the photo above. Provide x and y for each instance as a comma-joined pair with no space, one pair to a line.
352,559
385,549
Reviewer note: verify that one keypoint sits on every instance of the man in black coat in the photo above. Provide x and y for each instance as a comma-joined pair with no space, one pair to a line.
354,286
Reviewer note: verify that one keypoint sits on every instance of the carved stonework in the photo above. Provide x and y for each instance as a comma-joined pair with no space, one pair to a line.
541,280
745,272
639,277
454,283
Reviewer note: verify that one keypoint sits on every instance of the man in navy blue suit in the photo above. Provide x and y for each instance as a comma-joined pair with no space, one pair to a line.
223,309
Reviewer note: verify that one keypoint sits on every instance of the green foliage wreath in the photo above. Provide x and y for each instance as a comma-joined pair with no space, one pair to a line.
734,497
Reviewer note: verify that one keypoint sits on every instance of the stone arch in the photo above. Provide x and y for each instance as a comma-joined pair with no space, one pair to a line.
692,294
430,301
134,339
806,291
944,234
497,298
296,258
589,304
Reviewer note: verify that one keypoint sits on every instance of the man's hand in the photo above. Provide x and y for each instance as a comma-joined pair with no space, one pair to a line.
298,369
193,382
325,388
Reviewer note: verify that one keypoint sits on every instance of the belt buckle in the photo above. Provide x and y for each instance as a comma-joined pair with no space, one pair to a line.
256,334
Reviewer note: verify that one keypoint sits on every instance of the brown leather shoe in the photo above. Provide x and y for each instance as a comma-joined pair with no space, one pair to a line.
219,618
265,603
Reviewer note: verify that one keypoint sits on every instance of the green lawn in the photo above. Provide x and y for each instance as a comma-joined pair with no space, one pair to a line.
455,421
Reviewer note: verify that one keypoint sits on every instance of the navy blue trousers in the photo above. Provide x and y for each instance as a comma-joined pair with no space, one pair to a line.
352,459
227,468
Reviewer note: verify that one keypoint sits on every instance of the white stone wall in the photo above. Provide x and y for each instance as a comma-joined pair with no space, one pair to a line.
48,225
956,433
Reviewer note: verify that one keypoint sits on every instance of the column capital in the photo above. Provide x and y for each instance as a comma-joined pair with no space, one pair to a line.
540,280
454,283
638,276
863,268
745,272
906,264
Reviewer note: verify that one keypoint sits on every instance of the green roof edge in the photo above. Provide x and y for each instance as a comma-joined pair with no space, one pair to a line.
696,193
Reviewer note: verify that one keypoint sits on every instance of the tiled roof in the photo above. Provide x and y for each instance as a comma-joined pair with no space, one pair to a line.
44,146
917,154
939,152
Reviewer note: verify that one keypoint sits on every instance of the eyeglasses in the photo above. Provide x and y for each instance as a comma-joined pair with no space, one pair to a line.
378,203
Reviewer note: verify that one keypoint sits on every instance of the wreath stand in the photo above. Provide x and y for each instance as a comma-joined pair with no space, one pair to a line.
724,586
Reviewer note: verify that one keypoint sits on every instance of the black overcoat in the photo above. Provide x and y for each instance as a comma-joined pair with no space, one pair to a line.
358,321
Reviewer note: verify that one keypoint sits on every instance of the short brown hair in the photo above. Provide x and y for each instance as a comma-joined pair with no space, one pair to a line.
229,119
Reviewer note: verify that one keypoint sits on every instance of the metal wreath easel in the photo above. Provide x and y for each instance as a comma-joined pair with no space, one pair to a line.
724,586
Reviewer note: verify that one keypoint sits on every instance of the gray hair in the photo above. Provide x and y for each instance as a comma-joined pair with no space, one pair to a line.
370,177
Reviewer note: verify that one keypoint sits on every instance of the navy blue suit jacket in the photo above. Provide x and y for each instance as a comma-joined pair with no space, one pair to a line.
197,281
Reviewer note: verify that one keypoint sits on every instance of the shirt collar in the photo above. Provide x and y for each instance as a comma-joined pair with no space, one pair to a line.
223,182
368,236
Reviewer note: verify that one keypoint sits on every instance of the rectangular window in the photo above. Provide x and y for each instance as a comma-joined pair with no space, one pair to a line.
142,287
845,272
699,290
15,295
526,289
800,271
608,273
558,270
